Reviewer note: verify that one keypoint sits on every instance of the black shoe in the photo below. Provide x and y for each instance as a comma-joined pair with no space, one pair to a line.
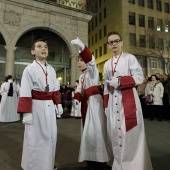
55,167
91,165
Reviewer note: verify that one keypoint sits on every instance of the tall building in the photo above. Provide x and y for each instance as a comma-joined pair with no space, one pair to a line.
57,21
144,26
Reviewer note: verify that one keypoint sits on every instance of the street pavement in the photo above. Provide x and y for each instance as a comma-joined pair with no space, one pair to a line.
11,140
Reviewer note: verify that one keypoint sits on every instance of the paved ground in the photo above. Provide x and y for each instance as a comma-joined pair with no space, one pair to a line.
11,139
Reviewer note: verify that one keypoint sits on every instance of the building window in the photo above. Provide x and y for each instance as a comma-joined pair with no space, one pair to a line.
105,48
166,7
105,13
96,7
150,4
105,31
100,51
132,1
160,44
158,5
92,25
96,21
151,42
100,3
131,18
89,28
166,28
159,24
100,34
96,39
132,39
168,45
100,18
142,41
151,22
141,2
155,63
92,41
96,53
142,20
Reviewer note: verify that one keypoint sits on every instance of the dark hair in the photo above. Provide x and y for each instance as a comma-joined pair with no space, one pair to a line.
33,46
114,33
154,76
77,81
8,77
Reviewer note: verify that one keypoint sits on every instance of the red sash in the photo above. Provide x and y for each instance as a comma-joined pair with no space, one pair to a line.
87,93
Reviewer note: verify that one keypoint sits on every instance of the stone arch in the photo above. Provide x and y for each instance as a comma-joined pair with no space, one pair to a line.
5,34
61,32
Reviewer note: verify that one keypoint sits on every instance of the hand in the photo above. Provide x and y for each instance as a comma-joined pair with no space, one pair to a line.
75,103
59,109
106,110
114,82
27,119
79,43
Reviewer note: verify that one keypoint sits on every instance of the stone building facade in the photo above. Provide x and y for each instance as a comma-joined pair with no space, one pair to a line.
144,26
18,17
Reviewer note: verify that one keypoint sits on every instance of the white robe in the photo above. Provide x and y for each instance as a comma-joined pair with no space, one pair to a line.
39,138
93,146
8,110
76,112
129,147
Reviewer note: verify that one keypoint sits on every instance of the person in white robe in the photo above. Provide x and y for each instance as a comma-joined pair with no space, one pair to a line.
93,147
76,112
9,102
125,125
39,102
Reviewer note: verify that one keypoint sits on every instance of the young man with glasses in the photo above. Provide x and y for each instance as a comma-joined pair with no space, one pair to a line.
125,125
39,102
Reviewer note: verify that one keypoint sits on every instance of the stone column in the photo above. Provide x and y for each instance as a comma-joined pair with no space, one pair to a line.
65,82
75,72
148,67
9,67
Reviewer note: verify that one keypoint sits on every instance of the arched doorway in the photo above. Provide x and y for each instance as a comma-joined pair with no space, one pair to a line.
2,58
58,53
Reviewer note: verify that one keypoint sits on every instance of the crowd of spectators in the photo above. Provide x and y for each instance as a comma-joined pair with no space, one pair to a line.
157,85
158,88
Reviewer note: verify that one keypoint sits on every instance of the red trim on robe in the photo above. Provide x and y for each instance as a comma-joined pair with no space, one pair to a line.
56,97
78,96
83,99
92,91
106,98
24,105
86,55
41,95
126,84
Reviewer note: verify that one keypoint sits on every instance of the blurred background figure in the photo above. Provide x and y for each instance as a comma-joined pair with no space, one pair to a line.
156,89
167,90
165,98
9,102
141,94
76,112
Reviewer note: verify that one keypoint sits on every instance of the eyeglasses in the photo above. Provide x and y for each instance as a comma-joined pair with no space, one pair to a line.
115,42
41,46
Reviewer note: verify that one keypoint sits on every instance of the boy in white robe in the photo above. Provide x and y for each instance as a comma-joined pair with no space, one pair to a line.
9,91
93,146
39,101
125,123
